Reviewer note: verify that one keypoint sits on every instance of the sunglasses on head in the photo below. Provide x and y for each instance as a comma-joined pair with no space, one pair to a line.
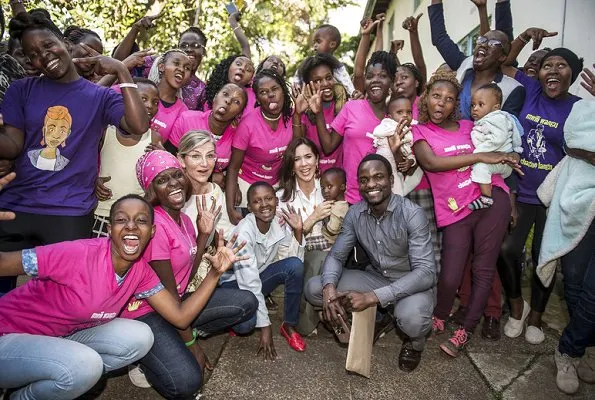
490,42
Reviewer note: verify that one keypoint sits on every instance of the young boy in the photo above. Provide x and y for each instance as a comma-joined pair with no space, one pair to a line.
119,153
275,257
494,130
399,112
333,184
327,39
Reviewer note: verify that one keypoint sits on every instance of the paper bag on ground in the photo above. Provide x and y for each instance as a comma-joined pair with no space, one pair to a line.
359,353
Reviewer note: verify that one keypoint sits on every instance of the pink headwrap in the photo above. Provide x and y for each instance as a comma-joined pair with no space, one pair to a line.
152,164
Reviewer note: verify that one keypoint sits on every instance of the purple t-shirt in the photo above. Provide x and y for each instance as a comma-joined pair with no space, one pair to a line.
543,121
63,124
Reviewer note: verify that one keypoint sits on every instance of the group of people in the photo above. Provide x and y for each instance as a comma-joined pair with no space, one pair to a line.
155,209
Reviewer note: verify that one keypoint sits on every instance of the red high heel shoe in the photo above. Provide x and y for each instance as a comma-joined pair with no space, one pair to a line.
294,340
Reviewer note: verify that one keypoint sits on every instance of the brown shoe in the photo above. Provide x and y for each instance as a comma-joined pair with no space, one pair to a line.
491,328
409,358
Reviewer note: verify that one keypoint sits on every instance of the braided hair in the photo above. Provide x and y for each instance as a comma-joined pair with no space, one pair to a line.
387,60
287,101
439,76
24,22
76,34
218,78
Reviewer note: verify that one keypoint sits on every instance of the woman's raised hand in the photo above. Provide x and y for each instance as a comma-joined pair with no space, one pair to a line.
301,104
137,59
226,255
206,219
147,22
367,25
588,80
312,95
411,23
293,218
102,65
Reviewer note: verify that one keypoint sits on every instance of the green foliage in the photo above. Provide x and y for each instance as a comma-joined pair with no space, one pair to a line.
280,27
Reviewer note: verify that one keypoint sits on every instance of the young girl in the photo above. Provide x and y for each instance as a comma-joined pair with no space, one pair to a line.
118,156
54,347
261,140
443,147
53,203
319,69
192,41
237,69
357,119
170,72
175,363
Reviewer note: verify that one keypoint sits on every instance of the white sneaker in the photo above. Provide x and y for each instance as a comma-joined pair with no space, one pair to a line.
566,378
586,368
137,377
534,335
514,327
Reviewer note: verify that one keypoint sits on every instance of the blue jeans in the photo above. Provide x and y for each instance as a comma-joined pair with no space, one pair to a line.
65,368
288,272
578,268
169,366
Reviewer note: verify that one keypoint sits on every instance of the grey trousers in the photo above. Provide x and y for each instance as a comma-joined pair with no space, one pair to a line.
313,260
413,314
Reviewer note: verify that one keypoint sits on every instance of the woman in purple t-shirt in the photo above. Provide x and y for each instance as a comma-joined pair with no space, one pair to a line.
52,128
54,347
443,147
547,105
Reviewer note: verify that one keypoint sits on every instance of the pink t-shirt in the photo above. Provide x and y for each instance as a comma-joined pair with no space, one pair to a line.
75,288
174,243
166,117
452,190
263,147
335,159
355,123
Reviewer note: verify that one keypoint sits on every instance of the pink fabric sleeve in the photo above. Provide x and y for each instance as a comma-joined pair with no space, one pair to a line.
418,133
149,280
56,261
340,121
241,139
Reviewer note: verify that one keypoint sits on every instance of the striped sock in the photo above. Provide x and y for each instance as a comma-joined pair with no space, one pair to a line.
481,202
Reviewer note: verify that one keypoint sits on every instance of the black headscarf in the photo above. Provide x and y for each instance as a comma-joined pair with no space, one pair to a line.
575,63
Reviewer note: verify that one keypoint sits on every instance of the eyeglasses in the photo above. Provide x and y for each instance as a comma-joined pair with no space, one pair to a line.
490,42
195,46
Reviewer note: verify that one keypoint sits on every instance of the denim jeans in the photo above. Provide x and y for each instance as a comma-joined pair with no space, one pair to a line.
578,269
46,367
288,272
169,366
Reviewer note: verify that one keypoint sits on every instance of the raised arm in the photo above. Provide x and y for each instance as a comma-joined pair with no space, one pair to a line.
448,49
517,45
504,18
329,139
411,24
379,35
482,9
124,49
359,65
239,34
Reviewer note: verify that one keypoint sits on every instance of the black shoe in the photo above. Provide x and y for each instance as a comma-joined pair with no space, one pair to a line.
385,325
491,328
409,358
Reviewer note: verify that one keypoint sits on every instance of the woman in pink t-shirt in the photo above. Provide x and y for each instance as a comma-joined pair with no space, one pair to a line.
443,147
355,123
170,72
175,363
224,114
59,332
261,139
319,69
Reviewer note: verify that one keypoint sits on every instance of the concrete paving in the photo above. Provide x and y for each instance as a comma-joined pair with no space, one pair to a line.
506,369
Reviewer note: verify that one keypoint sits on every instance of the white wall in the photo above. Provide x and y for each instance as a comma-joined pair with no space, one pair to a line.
572,19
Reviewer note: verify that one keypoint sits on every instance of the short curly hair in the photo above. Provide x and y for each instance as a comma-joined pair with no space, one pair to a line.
439,76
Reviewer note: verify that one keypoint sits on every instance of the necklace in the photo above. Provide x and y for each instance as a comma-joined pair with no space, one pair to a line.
187,238
270,119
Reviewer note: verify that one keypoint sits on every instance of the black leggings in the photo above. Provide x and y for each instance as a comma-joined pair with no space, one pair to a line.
30,230
509,262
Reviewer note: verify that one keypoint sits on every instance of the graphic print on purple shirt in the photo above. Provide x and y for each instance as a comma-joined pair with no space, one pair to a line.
57,168
543,121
